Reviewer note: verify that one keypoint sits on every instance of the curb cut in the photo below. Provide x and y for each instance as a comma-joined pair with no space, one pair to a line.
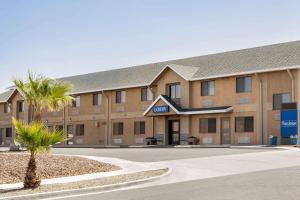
103,188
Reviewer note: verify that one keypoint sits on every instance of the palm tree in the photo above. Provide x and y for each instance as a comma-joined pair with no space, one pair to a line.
43,94
36,138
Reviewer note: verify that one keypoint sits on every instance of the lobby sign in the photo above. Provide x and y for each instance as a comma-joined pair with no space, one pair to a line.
160,109
289,124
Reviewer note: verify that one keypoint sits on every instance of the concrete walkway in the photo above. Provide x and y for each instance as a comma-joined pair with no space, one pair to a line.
127,168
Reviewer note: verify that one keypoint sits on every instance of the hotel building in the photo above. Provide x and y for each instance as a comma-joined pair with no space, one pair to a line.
225,98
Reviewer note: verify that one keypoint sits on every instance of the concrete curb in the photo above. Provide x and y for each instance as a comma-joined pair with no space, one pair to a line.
98,188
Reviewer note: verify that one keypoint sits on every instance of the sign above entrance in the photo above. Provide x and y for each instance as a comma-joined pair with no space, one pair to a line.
160,109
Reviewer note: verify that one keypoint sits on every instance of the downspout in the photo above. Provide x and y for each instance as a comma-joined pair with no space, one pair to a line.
107,119
293,98
293,84
260,120
153,121
64,123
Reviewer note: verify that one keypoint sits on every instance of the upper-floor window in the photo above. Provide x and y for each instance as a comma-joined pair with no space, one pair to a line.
97,99
207,88
7,107
174,91
146,94
207,125
118,128
20,106
79,129
120,96
244,124
139,127
280,98
244,84
76,101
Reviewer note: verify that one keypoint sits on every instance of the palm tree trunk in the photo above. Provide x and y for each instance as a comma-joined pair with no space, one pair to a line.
31,180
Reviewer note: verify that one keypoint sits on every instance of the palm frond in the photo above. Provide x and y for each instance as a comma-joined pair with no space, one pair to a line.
36,136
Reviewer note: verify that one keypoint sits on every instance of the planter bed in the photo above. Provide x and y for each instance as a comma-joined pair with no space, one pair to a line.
13,166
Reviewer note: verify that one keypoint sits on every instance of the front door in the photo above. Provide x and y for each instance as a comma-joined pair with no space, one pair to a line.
174,132
225,130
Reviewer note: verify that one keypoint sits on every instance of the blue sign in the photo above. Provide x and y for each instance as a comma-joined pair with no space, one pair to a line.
160,109
289,124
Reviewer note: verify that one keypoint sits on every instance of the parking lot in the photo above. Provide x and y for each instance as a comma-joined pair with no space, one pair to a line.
157,154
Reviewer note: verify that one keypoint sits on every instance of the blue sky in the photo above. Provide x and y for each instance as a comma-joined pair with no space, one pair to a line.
68,37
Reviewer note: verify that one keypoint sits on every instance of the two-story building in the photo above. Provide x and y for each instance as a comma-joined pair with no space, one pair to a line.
226,98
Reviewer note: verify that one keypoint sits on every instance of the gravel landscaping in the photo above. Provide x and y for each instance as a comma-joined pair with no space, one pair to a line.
85,184
13,166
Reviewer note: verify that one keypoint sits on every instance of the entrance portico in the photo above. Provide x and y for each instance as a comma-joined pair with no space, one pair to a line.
173,124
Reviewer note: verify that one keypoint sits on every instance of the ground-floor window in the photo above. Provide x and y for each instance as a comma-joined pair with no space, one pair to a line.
139,127
8,132
118,128
60,127
244,124
207,125
79,129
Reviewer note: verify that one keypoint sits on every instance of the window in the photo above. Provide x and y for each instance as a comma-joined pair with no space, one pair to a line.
7,107
76,102
79,129
208,88
120,96
207,125
50,128
174,91
20,105
244,124
139,127
8,132
118,128
146,94
278,99
243,84
97,99
59,127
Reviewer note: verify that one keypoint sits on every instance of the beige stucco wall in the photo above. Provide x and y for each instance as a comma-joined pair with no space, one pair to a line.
98,120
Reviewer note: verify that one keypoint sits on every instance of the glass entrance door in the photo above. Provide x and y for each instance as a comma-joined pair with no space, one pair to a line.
174,132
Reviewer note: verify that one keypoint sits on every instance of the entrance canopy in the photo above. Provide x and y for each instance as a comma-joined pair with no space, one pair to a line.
164,105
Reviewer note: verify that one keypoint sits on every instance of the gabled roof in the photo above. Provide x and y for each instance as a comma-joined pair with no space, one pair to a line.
246,61
191,111
5,96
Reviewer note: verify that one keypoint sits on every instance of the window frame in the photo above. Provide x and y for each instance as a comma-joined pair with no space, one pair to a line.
21,106
76,101
7,107
207,126
176,85
119,95
8,134
116,130
98,100
80,130
243,90
244,120
138,130
207,84
281,100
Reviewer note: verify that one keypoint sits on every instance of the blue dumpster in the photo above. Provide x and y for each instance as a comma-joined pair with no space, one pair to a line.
273,140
